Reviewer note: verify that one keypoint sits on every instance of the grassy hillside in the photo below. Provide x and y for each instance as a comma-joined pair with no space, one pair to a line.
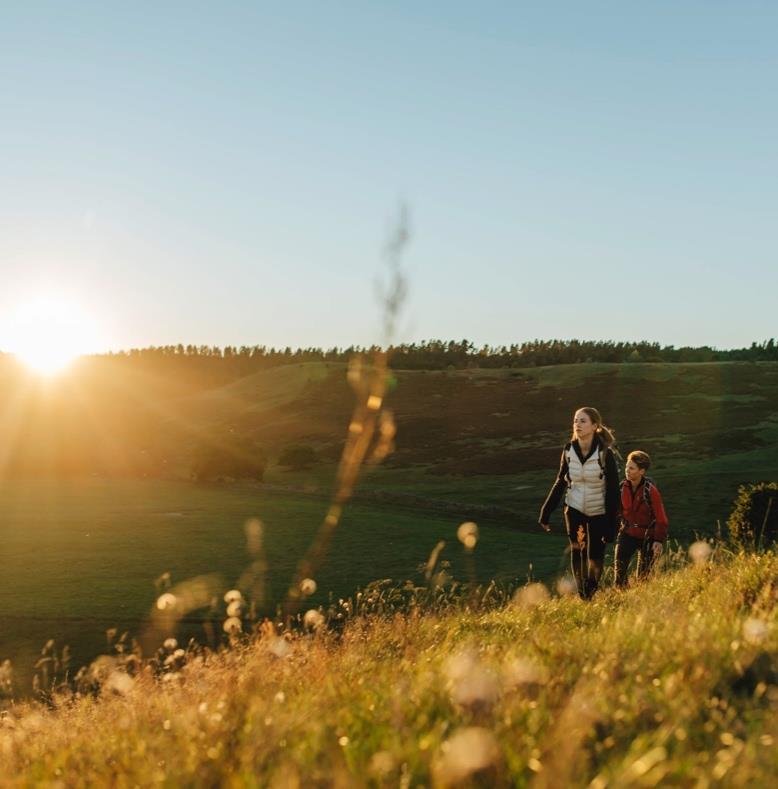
81,557
82,549
673,682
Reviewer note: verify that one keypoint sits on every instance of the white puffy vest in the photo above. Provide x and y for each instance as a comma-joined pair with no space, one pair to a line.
586,486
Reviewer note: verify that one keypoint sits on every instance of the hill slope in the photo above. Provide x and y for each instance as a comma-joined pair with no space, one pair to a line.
675,681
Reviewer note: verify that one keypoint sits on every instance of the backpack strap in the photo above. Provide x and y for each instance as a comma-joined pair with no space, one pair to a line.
602,458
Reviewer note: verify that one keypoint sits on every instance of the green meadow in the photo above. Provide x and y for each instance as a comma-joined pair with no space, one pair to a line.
81,557
89,549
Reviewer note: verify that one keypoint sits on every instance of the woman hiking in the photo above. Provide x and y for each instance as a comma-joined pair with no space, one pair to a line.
643,518
589,481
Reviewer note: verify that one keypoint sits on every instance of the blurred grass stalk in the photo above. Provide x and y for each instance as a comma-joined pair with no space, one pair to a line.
372,429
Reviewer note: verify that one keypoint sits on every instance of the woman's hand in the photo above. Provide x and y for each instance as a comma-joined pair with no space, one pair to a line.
546,528
658,548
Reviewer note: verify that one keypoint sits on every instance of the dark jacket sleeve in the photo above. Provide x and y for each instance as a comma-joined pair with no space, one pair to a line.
612,489
557,491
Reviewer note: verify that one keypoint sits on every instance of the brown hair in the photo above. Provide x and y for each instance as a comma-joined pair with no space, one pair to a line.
603,432
640,459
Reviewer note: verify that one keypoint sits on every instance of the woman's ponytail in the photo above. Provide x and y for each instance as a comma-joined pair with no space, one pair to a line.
603,432
606,435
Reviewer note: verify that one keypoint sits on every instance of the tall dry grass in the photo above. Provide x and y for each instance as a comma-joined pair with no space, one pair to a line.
674,681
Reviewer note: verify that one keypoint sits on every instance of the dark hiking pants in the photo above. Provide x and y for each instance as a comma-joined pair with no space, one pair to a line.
587,535
626,547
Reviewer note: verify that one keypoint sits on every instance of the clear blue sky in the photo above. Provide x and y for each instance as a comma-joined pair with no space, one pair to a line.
227,173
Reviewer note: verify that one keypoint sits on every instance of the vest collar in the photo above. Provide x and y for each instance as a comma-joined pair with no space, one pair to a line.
577,448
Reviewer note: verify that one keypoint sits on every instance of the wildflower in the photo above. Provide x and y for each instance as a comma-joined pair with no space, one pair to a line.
170,644
233,596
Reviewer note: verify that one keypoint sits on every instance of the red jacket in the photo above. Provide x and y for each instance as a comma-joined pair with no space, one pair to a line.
637,516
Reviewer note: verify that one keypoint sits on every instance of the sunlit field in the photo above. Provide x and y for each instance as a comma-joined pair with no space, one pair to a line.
82,557
672,683
91,552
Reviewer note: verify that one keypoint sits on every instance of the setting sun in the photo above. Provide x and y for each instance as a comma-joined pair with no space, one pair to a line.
49,332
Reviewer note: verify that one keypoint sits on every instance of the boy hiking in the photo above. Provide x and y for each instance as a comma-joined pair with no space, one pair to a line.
643,518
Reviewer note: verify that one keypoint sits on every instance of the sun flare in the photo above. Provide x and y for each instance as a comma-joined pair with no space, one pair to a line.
48,333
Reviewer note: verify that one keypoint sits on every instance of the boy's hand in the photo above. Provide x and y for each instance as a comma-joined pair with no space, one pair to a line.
546,528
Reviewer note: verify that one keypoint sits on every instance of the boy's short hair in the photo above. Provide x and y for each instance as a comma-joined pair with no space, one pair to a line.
640,459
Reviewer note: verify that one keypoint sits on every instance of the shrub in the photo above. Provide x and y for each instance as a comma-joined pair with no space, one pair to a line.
298,457
754,519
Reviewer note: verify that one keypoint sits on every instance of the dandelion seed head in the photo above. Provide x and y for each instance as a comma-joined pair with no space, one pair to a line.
170,644
313,619
343,741
467,752
119,682
471,684
531,595
307,586
279,647
382,764
235,608
233,596
566,586
467,534
699,552
232,625
280,697
167,601
166,725
755,630
525,672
